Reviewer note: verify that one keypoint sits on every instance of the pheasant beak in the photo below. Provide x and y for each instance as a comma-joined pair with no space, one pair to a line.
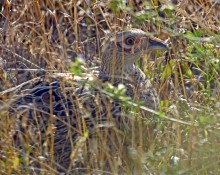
156,44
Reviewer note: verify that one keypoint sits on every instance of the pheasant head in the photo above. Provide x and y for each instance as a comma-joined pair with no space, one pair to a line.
122,50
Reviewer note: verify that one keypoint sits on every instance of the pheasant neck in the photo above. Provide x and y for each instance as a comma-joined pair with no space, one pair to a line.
120,74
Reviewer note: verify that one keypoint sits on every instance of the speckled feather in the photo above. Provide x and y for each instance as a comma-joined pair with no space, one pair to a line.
60,111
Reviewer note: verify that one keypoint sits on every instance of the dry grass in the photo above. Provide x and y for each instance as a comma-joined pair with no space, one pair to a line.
43,37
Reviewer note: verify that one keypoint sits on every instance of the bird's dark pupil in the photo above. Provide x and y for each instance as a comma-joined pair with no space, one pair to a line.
130,41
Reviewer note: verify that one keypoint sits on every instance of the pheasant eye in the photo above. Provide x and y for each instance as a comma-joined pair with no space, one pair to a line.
129,41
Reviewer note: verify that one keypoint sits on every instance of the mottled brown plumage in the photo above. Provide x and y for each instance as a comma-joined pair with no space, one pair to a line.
120,53
58,113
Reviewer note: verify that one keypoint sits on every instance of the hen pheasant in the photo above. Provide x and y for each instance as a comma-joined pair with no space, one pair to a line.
52,113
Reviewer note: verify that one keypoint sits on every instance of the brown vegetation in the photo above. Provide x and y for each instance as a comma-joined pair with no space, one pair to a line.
45,36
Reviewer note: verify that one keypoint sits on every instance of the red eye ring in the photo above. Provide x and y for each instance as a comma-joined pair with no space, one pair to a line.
130,41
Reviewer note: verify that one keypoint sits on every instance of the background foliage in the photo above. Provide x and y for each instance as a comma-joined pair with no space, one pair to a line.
44,36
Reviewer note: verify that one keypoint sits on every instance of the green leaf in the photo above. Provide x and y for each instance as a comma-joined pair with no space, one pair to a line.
115,5
168,70
86,134
77,67
186,69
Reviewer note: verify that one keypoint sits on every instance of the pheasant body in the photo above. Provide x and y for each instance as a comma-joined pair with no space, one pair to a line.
60,112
